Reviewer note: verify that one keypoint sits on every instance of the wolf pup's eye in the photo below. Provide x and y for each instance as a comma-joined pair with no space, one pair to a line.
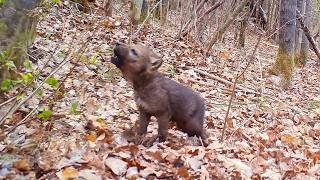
134,52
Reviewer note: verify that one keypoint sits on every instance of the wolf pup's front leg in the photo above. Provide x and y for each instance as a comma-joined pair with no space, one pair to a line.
144,120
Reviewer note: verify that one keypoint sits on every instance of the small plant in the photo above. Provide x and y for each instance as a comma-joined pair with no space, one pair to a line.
45,114
53,82
74,107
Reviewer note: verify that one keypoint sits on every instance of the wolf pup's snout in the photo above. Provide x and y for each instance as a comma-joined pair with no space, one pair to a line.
119,52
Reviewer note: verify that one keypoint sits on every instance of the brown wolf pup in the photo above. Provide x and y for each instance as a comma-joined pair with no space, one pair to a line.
158,96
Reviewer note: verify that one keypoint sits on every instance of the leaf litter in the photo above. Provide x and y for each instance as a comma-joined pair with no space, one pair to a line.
270,134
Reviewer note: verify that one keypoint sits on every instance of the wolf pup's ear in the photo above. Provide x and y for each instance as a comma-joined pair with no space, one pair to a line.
156,61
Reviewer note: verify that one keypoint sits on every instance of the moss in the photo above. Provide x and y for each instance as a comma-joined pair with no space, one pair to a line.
284,65
3,27
303,57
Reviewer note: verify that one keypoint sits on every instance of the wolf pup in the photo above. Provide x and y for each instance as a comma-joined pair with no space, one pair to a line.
156,95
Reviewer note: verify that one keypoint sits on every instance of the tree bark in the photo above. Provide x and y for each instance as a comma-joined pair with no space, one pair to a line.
285,63
217,36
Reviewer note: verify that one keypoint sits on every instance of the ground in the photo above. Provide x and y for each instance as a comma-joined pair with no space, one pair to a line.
270,132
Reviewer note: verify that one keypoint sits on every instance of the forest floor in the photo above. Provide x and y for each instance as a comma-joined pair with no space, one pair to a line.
270,132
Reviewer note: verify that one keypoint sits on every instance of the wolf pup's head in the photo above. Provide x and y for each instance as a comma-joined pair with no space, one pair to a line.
135,61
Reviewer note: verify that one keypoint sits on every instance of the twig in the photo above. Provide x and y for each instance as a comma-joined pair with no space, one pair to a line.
8,101
234,87
146,19
23,121
27,85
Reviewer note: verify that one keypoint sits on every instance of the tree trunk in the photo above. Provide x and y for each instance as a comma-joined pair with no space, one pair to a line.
284,64
222,30
107,7
242,33
304,41
161,11
298,34
137,13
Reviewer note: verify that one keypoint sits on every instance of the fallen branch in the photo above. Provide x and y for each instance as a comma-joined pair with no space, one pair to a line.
214,77
219,79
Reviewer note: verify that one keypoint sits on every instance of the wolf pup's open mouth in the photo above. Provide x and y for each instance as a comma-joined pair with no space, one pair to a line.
116,61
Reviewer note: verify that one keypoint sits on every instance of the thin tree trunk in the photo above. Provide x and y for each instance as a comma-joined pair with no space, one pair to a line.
308,35
298,34
304,41
243,27
217,36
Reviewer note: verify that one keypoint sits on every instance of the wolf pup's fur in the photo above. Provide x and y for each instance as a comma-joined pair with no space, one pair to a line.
158,96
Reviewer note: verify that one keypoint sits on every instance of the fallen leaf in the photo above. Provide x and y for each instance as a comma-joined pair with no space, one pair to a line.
243,168
183,172
289,139
132,173
154,155
70,173
91,137
22,165
194,163
117,166
89,175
